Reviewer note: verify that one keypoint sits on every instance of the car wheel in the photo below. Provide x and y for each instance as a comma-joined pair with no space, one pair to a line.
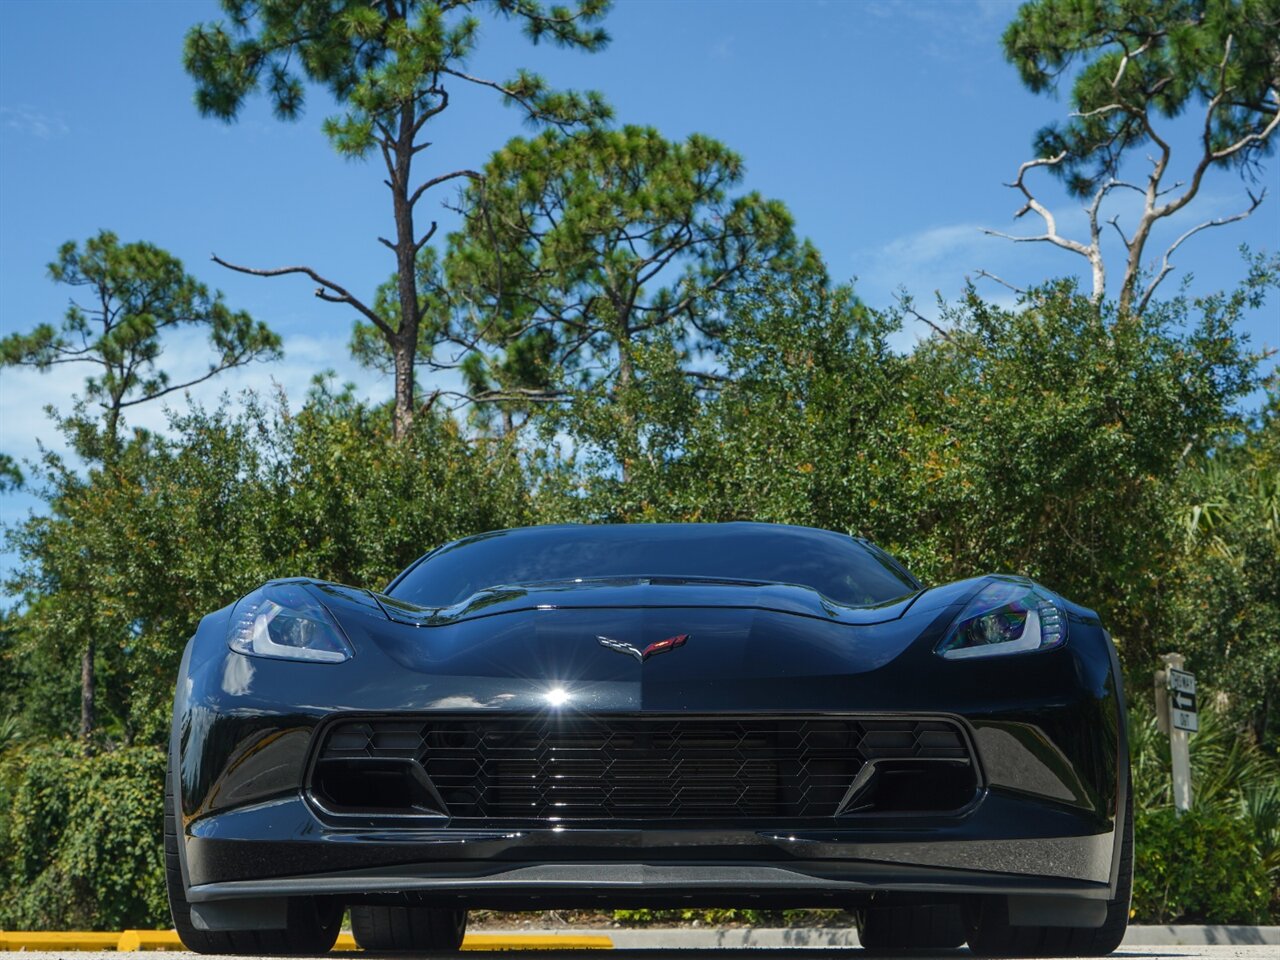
398,929
991,934
311,925
923,927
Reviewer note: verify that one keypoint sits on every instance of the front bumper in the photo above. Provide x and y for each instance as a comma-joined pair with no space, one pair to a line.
279,848
1042,829
1049,866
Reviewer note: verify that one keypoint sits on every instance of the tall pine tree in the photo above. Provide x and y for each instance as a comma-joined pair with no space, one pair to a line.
391,67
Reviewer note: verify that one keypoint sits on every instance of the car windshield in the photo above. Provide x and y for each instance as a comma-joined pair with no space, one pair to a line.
837,566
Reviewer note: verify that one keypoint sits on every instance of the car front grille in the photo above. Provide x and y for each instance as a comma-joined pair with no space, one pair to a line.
551,767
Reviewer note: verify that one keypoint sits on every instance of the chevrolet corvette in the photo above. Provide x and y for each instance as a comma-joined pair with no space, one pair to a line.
661,716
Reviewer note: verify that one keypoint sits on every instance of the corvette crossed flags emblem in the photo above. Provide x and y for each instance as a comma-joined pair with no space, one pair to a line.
652,650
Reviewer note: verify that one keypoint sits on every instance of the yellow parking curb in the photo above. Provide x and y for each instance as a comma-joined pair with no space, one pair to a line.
132,940
45,940
513,941
149,940
534,941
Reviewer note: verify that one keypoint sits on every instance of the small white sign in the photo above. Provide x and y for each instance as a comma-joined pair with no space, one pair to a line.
1182,681
1182,701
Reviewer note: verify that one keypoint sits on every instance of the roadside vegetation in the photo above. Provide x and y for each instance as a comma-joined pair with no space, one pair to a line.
639,337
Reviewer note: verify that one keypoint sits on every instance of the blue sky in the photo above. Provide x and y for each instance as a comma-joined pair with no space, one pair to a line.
888,128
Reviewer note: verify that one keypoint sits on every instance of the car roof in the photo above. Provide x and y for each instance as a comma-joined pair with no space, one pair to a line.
673,531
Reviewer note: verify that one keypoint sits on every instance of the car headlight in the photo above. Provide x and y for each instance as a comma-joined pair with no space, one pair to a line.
1007,616
284,620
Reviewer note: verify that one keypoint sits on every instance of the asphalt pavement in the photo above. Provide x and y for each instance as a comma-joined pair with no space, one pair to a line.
1142,942
1203,952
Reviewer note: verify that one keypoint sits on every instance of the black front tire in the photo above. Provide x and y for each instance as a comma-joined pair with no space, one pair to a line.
312,925
990,934
403,929
913,927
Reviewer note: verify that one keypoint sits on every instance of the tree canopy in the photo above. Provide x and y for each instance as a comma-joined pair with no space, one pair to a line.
1133,64
128,297
390,67
580,249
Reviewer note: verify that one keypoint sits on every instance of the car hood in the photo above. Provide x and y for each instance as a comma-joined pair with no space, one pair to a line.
645,592
518,641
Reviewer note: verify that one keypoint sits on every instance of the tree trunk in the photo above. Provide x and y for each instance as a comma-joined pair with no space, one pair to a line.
88,682
111,430
405,344
1133,268
626,375
402,421
87,692
1099,278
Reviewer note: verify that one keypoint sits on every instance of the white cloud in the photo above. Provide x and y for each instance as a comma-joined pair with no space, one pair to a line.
931,259
934,261
930,246
948,19
29,121
25,392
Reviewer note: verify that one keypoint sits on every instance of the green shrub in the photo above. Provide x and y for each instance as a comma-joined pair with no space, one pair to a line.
1201,867
644,916
82,845
714,917
1234,781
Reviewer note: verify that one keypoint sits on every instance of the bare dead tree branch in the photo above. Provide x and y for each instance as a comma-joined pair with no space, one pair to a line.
1115,222
1091,252
422,241
1000,280
436,181
1167,266
1098,111
328,291
1160,200
905,304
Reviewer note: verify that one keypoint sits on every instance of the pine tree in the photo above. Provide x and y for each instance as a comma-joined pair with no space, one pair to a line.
391,67
587,247
128,297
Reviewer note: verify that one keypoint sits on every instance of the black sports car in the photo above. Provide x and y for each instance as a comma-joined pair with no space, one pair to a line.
650,715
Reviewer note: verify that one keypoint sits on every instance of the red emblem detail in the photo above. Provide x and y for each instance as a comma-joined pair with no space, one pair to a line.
662,646
652,650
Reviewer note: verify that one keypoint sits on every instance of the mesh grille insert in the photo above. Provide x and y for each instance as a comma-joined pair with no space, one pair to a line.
556,767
